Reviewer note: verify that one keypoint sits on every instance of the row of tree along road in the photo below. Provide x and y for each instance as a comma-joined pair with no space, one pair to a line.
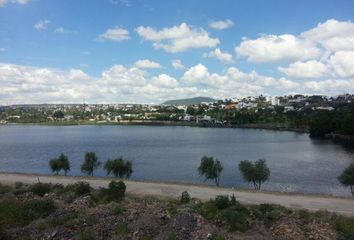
253,172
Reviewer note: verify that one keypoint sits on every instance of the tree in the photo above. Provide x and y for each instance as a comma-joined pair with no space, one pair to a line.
119,167
90,164
64,163
58,114
55,165
347,177
210,169
257,172
60,163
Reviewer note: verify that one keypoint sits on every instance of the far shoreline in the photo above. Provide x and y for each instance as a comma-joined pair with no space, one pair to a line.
266,126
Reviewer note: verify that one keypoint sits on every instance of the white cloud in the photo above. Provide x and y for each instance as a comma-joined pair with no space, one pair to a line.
118,75
146,63
177,64
164,81
63,30
342,63
41,25
3,49
178,38
276,48
333,35
4,2
116,34
222,24
309,69
221,56
24,84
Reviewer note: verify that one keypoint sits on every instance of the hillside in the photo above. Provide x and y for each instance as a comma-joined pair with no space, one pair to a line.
189,101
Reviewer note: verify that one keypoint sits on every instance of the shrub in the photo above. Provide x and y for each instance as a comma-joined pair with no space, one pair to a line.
270,213
5,189
236,218
345,227
86,234
116,189
38,208
81,188
208,210
222,202
41,189
15,213
185,198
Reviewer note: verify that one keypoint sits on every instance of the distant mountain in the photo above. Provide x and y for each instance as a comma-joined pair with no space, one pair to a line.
190,101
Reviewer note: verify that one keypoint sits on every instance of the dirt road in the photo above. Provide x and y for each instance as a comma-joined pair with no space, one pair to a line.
344,206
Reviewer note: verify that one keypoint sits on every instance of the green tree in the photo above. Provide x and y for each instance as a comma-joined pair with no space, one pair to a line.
60,163
90,164
347,177
54,164
257,172
119,167
64,163
210,168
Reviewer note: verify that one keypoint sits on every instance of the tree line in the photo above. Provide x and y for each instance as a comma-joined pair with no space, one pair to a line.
117,167
252,172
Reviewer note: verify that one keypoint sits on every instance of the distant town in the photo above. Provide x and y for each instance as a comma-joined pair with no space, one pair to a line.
227,111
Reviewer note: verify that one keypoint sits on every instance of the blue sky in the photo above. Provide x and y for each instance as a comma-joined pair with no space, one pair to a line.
122,50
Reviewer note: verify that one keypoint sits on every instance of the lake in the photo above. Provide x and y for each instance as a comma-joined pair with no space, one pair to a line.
297,163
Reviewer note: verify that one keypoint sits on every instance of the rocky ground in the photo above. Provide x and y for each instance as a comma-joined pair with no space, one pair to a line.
85,216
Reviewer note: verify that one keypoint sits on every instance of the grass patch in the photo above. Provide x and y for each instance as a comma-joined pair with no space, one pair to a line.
121,231
14,213
344,227
86,234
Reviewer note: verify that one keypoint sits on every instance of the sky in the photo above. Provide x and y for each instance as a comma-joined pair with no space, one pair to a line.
149,51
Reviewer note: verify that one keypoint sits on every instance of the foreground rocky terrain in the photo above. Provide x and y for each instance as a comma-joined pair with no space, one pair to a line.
45,211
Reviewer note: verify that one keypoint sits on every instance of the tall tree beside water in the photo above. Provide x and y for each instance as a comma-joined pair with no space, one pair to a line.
211,169
347,178
90,163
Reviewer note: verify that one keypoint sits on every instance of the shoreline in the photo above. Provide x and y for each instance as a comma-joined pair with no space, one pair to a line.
312,202
261,126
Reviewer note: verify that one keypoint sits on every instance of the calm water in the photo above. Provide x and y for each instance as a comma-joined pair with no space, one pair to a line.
297,163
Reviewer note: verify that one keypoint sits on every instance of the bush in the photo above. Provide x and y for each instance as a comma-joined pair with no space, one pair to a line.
115,191
345,228
236,218
222,202
86,234
208,210
41,189
270,213
15,213
5,189
38,208
80,188
185,198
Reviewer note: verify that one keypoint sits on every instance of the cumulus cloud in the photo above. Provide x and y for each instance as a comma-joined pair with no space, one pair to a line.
221,24
25,84
177,38
221,56
309,69
118,75
177,64
342,63
164,81
333,35
63,30
276,48
41,25
146,63
3,49
116,34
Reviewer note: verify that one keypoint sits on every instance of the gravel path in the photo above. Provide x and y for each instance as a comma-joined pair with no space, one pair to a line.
344,206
